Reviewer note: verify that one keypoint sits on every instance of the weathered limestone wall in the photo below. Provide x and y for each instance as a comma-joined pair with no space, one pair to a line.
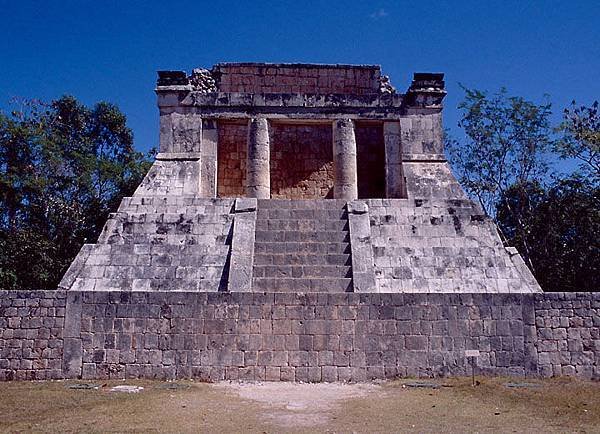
171,177
431,180
422,134
231,159
295,337
282,78
301,161
180,132
153,243
442,246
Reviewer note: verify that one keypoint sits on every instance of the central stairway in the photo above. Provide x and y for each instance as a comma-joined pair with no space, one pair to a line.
302,246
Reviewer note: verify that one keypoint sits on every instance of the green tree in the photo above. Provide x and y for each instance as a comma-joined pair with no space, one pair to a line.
563,234
505,148
63,168
581,138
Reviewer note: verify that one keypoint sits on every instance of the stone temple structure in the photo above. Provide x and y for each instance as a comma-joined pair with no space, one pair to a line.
300,223
299,178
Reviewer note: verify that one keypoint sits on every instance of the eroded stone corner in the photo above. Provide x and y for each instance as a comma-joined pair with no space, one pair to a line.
72,345
363,274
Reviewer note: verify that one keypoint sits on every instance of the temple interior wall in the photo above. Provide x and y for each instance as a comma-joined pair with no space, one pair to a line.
301,161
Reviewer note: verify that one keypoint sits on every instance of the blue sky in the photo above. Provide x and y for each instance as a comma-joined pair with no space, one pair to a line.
110,50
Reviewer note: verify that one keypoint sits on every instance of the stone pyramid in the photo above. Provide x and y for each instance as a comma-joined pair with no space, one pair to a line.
299,178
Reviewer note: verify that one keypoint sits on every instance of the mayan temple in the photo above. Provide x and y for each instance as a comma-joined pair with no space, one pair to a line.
299,178
300,223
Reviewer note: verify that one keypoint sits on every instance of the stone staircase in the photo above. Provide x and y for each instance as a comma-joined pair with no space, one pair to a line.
302,246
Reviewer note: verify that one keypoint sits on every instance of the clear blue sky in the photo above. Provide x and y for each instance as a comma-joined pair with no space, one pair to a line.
110,50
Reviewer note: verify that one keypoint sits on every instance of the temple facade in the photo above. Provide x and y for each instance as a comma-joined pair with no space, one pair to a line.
299,178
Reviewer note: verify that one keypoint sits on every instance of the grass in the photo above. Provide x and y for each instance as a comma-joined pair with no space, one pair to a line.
557,405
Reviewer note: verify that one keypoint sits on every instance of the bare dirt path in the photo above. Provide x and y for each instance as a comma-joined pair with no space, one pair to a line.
560,405
293,405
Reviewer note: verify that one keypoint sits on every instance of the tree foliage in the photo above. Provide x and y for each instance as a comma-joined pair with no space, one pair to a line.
63,168
506,143
504,164
581,140
563,236
507,139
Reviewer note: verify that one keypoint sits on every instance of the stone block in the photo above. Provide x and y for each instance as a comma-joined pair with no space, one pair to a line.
302,374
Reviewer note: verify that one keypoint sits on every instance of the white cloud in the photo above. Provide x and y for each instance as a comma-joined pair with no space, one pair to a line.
378,14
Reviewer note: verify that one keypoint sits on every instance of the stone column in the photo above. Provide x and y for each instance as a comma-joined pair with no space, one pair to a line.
344,160
258,176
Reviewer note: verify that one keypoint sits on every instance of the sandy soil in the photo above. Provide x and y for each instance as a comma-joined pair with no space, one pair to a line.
559,405
293,405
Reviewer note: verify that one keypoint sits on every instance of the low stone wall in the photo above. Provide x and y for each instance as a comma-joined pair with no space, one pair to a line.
568,334
31,334
295,337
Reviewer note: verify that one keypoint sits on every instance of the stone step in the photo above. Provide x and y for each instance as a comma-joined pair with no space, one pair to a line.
123,250
302,259
301,214
302,285
144,284
302,225
300,271
301,247
301,203
169,239
172,227
155,270
302,236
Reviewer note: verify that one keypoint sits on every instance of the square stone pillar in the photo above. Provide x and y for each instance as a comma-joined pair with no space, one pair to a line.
208,158
180,133
395,185
344,160
258,175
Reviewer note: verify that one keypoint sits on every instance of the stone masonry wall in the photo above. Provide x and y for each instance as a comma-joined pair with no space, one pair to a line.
31,334
324,79
301,337
231,159
301,161
568,334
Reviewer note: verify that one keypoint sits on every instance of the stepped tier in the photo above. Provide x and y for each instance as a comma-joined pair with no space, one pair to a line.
188,244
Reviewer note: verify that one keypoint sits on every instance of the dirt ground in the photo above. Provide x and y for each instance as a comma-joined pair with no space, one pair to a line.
559,405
